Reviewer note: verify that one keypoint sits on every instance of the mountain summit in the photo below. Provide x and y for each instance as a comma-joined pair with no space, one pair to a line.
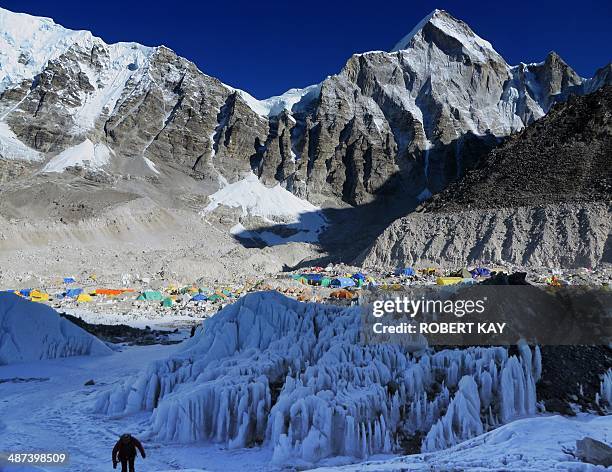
444,30
405,122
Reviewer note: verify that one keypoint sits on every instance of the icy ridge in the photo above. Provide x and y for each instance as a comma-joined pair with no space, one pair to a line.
293,376
292,100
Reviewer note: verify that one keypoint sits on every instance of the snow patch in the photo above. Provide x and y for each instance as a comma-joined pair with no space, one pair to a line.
86,154
32,331
150,164
275,205
12,148
273,106
125,60
532,444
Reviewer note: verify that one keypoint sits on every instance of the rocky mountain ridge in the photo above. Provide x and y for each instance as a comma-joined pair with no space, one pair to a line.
406,122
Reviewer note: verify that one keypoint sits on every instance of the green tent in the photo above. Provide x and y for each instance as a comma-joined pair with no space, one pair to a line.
215,297
325,282
167,303
150,296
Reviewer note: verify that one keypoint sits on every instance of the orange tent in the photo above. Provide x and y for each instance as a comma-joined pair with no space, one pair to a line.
108,291
342,294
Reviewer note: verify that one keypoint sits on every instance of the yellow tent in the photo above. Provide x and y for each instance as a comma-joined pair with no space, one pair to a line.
38,296
449,280
83,298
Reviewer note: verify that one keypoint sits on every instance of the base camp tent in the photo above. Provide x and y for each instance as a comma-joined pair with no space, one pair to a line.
342,282
480,272
84,298
150,296
341,294
406,271
38,296
74,292
449,280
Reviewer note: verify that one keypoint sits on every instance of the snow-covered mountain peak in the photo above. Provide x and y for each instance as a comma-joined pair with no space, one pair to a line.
438,22
28,43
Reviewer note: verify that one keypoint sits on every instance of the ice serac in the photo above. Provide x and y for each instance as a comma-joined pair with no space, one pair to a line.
31,331
540,199
605,390
293,376
405,122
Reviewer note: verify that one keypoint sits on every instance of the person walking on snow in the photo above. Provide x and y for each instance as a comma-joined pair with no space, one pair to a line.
125,452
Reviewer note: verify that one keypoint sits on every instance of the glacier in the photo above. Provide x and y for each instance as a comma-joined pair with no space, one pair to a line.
293,376
32,331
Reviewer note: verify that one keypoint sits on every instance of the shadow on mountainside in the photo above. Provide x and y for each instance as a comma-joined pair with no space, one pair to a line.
349,230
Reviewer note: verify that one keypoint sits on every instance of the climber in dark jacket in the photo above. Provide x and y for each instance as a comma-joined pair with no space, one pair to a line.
125,452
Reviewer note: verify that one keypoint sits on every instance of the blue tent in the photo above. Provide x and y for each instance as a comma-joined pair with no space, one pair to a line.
314,279
480,272
199,297
407,271
69,280
74,292
359,276
25,292
342,282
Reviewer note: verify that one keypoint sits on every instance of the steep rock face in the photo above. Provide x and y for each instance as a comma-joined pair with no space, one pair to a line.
403,122
542,198
565,157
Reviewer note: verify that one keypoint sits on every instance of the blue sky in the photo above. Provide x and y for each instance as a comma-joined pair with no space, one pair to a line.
266,47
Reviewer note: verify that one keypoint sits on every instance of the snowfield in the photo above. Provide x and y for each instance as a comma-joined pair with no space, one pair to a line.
293,376
13,149
31,331
274,106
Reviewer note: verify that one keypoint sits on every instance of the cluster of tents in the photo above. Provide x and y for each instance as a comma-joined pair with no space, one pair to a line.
455,277
343,285
357,280
76,293
166,298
